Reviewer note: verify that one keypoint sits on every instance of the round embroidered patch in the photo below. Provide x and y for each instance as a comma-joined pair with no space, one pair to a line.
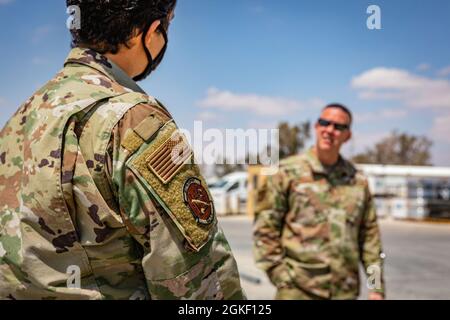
197,199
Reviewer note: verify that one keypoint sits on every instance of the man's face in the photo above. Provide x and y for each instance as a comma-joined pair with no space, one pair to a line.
330,136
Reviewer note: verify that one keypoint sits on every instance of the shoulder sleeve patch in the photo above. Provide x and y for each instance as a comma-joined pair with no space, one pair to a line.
136,137
165,167
149,126
132,142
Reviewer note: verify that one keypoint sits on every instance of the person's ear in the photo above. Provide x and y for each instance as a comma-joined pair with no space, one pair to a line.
349,135
152,31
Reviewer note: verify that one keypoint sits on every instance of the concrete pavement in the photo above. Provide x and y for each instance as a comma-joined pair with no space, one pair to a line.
417,263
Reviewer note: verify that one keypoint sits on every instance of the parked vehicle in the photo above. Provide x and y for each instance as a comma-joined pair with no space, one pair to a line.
230,193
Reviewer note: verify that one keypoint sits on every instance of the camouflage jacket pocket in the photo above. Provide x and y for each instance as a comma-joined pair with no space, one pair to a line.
308,202
353,206
201,282
280,277
314,278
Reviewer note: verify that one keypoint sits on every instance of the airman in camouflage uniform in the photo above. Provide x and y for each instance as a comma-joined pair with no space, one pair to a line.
315,223
89,189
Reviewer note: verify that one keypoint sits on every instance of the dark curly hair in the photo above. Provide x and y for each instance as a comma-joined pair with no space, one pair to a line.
107,24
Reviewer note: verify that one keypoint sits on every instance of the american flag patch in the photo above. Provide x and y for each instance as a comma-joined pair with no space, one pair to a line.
170,157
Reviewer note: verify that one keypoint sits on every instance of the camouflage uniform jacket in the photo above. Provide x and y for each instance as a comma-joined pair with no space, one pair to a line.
313,227
90,205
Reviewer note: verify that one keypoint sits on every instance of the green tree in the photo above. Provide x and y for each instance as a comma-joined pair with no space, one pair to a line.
398,149
293,138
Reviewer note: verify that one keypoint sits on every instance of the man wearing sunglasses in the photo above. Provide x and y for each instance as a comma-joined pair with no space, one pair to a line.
316,221
99,198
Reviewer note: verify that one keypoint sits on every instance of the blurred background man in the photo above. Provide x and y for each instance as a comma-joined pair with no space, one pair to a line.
316,221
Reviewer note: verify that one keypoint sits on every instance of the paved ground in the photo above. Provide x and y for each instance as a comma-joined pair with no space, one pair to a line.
417,263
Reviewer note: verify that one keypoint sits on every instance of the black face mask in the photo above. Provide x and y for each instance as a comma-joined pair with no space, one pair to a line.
152,63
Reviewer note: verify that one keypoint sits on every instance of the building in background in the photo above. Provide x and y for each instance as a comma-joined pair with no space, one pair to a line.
400,192
408,192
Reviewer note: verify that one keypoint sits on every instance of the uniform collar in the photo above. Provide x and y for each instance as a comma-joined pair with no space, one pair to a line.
314,163
99,62
342,169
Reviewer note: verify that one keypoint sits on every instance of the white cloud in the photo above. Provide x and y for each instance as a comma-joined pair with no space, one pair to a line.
361,141
444,72
255,124
40,34
384,114
207,116
423,67
2,2
400,85
257,104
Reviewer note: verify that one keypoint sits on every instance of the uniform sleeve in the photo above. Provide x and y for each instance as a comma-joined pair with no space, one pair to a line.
370,246
172,268
272,206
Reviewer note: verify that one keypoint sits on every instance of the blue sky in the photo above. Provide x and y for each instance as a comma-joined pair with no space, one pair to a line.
253,63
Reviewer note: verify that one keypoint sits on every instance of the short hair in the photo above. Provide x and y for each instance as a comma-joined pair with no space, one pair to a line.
107,24
340,107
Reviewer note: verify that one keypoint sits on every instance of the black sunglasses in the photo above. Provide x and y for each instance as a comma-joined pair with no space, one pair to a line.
337,126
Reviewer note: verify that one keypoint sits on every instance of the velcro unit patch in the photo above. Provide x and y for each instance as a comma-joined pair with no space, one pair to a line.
198,200
177,184
149,126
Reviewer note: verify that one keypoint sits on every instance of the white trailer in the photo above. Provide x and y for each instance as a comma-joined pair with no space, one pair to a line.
408,192
230,193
